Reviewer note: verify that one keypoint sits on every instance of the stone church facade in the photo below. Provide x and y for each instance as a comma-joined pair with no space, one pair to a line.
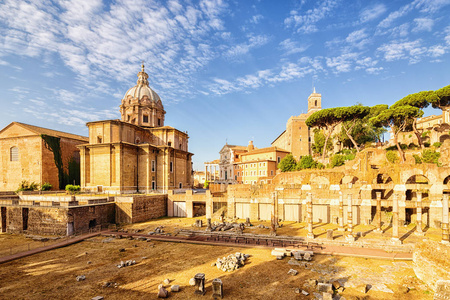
137,153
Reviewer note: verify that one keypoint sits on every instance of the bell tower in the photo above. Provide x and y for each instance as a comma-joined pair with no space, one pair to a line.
314,102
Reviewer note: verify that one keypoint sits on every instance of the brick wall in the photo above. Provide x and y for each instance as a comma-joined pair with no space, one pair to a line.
134,209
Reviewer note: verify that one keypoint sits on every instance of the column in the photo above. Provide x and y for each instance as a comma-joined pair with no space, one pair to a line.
309,216
206,172
274,222
350,236
395,236
419,214
378,213
445,234
341,213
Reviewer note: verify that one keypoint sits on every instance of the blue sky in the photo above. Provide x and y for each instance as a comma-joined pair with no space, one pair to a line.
225,70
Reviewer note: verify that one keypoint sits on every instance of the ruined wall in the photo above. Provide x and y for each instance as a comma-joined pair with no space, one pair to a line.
87,217
134,209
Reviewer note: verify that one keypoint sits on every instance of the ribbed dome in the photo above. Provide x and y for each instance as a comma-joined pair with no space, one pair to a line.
139,91
142,88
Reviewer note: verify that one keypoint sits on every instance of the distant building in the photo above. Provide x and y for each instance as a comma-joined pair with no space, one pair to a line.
212,170
433,129
298,137
137,153
39,155
229,156
259,165
199,179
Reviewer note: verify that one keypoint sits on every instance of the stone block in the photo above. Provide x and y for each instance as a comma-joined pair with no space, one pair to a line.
324,287
327,296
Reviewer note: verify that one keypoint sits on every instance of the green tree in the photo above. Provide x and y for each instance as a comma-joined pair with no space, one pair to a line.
441,98
349,116
326,119
420,100
287,164
319,141
398,120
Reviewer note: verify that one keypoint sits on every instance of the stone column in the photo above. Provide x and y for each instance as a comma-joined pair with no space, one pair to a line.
274,221
350,236
341,213
395,236
309,216
419,214
445,234
378,213
206,172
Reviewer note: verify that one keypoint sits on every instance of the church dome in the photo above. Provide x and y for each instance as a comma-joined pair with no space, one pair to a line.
142,89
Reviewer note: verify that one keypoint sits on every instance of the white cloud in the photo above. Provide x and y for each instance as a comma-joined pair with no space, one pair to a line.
436,50
358,38
306,23
423,24
414,51
256,19
342,63
393,16
372,13
244,48
292,47
431,6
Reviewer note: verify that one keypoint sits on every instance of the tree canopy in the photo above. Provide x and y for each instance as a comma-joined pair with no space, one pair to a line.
398,119
441,98
287,164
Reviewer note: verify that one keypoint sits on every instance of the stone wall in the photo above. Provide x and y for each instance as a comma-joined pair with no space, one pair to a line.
134,209
54,220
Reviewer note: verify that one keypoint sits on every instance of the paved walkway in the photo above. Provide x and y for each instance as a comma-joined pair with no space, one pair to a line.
325,249
61,244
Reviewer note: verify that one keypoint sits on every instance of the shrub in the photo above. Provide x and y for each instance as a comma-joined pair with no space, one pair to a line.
320,166
426,144
425,134
430,156
412,146
73,188
402,146
392,156
417,158
306,162
437,144
287,164
337,160
25,186
206,184
46,186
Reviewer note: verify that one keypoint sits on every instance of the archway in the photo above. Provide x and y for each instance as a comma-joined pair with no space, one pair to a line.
349,179
444,138
416,179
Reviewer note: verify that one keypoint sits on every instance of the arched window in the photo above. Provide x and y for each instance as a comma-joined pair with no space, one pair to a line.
14,154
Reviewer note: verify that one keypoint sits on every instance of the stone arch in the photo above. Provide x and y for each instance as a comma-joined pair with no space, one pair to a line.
447,180
417,179
383,178
348,179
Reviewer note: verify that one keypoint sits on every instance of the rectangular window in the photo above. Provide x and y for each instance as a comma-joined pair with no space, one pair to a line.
278,159
159,122
238,174
145,119
153,185
235,177
171,167
153,166
14,154
271,173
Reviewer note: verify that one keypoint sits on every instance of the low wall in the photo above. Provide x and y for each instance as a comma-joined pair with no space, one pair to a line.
134,209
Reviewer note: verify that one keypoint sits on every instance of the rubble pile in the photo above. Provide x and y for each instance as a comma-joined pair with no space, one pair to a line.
231,262
126,263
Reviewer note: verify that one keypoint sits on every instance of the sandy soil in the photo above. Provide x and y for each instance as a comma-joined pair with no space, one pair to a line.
52,275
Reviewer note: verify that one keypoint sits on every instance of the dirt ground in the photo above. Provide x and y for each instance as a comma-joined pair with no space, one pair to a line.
52,274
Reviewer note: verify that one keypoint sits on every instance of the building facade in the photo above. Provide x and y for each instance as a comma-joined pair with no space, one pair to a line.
259,166
32,153
229,156
137,153
298,137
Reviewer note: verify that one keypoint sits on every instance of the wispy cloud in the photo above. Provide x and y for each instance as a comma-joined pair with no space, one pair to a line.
307,22
372,12
413,51
244,48
256,19
423,24
292,47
